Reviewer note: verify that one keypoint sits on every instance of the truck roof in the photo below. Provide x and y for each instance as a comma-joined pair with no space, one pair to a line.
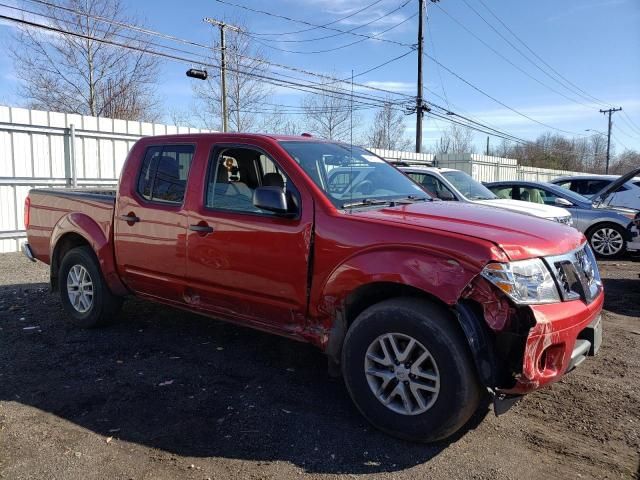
215,135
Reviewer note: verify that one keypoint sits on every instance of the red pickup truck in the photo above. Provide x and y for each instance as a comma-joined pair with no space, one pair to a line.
425,307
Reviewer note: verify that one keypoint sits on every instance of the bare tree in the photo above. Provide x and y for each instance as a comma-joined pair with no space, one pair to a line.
388,129
455,139
280,123
72,74
246,93
329,113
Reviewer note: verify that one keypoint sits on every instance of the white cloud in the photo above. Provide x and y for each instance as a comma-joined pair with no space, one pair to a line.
394,86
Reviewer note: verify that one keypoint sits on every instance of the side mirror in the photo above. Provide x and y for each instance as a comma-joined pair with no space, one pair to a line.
446,195
563,202
271,199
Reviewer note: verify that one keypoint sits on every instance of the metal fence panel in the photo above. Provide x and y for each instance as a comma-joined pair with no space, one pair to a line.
49,149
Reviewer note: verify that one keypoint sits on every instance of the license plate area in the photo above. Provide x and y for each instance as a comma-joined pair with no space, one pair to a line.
593,333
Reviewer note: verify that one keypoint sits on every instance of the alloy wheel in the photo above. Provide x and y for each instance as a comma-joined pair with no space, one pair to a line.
80,288
607,241
402,373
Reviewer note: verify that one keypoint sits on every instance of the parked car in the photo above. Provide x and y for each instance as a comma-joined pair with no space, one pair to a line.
423,306
590,186
610,230
450,184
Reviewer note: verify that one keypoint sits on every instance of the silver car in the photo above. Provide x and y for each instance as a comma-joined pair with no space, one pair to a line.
610,231
627,195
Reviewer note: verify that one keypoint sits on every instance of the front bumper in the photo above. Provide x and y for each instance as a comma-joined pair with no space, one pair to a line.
564,334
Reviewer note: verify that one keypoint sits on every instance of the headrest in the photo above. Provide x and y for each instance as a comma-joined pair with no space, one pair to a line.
273,180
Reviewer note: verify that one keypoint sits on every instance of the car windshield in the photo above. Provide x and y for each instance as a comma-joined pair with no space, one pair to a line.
470,188
353,176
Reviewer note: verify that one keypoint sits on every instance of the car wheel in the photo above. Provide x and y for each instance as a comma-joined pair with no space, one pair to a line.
607,240
409,371
83,291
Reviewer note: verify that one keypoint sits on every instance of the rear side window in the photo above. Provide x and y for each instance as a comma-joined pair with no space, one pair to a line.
588,187
164,172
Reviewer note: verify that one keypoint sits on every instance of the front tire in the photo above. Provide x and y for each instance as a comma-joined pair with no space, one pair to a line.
607,240
83,291
409,371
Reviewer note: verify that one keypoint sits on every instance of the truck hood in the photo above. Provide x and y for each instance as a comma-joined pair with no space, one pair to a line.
520,236
520,206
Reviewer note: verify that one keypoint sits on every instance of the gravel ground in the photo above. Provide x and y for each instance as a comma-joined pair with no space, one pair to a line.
167,394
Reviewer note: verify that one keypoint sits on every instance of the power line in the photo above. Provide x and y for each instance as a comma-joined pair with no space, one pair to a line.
363,100
346,32
514,65
377,36
206,47
478,89
266,78
627,120
433,48
538,56
338,20
304,22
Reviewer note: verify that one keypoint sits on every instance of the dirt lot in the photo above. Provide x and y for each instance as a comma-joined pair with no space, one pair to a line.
167,394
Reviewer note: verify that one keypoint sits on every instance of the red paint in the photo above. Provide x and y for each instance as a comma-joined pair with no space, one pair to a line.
255,269
556,330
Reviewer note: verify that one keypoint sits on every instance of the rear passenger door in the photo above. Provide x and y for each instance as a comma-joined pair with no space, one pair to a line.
244,263
151,224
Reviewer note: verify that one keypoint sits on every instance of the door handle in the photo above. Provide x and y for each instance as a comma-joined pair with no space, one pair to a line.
201,228
129,218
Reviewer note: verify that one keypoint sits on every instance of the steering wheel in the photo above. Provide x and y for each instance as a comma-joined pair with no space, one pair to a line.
364,184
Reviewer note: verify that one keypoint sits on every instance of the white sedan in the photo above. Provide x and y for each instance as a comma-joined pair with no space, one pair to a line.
456,185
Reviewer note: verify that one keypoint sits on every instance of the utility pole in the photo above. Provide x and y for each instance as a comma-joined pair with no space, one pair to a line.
420,105
487,145
419,113
610,112
223,67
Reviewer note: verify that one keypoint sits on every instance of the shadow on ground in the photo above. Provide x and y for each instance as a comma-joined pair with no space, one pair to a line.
618,292
191,386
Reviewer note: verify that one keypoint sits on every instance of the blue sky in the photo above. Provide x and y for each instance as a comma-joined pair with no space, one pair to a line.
595,44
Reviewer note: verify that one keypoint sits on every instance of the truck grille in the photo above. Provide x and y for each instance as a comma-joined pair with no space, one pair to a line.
577,274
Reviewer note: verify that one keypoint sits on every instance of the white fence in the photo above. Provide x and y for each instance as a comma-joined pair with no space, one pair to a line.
49,149
487,168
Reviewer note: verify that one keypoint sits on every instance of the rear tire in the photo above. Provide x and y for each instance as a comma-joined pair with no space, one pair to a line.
437,376
83,291
607,240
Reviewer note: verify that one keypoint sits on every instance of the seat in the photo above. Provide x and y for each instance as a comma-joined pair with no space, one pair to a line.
273,180
168,185
229,195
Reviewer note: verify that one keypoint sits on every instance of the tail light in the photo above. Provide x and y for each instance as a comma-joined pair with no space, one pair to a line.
27,212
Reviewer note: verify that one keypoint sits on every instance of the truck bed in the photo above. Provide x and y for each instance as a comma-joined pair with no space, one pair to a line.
50,207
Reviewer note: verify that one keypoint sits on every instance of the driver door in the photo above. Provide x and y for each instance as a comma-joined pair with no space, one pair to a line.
244,263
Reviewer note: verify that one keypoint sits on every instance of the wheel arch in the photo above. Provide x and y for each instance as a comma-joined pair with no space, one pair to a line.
78,229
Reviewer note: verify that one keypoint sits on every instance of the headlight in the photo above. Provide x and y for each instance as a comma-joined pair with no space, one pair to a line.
565,220
525,282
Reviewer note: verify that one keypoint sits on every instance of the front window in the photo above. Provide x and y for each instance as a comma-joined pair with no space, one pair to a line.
470,188
352,175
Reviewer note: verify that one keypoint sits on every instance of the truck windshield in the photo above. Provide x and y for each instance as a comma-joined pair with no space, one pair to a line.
353,176
470,188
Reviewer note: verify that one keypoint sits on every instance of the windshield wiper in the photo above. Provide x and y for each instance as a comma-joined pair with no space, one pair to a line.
414,198
367,202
